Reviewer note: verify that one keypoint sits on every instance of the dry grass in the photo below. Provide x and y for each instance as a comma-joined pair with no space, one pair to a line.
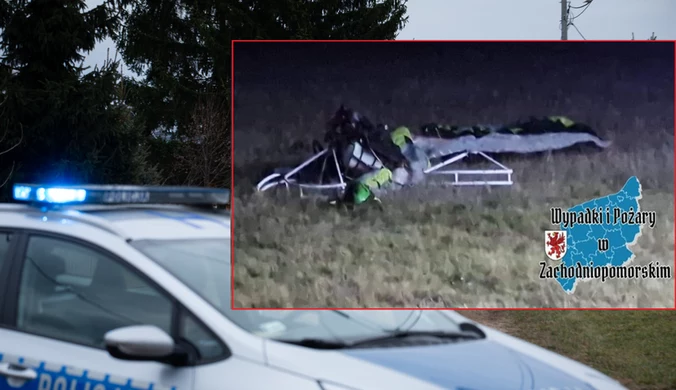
460,247
637,348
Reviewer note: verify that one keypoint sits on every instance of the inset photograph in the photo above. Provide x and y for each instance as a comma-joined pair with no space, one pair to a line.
412,174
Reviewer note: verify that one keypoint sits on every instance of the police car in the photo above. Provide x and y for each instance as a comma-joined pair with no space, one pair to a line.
115,287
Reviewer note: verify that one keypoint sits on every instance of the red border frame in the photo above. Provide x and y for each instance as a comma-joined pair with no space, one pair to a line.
232,183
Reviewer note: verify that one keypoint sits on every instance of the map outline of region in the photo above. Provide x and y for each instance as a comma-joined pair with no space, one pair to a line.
585,234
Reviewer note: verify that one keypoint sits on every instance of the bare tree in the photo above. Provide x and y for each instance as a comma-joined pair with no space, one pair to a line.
204,156
4,133
653,37
9,149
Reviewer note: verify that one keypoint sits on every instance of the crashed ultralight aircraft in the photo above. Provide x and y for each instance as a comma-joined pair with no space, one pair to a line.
349,154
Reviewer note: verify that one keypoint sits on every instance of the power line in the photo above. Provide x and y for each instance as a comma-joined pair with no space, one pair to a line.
586,4
584,8
578,31
568,18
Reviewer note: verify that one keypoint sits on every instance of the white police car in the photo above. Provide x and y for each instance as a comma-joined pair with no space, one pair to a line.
129,288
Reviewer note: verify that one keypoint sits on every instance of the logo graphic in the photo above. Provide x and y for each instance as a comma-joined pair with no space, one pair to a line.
555,244
600,234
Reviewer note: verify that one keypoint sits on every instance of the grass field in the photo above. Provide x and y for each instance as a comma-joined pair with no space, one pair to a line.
637,348
434,247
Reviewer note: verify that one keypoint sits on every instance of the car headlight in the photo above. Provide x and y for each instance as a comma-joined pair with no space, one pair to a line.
333,386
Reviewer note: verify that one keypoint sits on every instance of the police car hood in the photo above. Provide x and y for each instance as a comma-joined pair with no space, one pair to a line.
483,364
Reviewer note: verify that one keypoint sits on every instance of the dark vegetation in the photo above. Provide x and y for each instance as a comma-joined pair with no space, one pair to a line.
62,122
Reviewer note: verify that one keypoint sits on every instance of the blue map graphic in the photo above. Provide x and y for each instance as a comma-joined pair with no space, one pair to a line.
583,239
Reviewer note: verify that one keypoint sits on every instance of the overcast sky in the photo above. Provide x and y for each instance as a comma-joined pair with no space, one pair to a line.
519,19
538,19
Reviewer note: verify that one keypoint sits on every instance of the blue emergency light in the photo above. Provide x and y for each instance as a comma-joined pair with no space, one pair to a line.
120,194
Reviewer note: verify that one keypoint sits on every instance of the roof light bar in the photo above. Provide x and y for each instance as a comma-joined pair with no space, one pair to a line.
120,194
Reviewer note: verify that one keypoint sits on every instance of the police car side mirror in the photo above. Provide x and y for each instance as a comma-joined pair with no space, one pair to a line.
139,342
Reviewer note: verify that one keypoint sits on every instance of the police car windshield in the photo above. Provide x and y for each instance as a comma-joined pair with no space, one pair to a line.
204,266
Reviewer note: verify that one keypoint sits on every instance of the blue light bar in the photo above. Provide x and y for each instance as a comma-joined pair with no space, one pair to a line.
120,194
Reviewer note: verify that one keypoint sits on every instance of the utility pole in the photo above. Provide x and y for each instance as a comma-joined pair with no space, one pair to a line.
564,20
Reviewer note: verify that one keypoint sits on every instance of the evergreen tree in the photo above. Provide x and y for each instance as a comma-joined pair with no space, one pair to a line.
181,48
69,122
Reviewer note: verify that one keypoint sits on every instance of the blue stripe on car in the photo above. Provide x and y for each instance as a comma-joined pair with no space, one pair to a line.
62,376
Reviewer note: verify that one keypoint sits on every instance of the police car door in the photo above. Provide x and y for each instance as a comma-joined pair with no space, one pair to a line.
60,297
